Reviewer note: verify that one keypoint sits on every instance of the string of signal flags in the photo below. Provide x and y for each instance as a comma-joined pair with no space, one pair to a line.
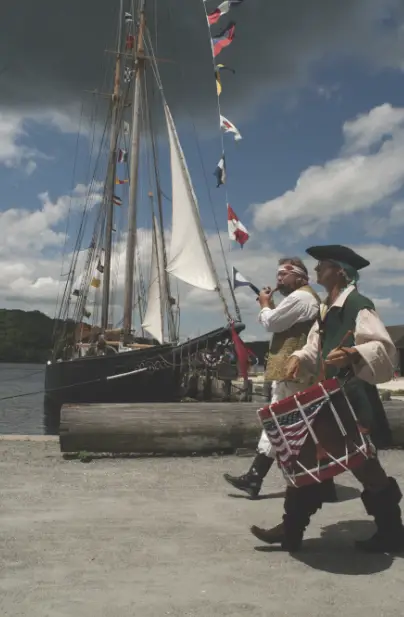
237,231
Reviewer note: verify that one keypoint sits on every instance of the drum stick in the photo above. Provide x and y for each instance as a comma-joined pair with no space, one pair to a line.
344,339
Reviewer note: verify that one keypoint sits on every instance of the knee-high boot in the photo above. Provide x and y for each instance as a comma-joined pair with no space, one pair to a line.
300,504
383,506
251,481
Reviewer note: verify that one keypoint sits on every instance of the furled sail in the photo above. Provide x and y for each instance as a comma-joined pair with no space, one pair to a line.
154,319
190,259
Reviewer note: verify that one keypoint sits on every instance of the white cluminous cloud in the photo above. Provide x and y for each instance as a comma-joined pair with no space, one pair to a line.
31,279
368,171
15,132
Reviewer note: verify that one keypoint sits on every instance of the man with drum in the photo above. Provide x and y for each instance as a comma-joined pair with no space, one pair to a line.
290,323
348,337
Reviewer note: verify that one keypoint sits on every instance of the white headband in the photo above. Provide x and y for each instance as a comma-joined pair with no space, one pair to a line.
291,269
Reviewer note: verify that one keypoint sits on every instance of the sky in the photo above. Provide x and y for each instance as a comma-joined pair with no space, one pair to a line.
317,94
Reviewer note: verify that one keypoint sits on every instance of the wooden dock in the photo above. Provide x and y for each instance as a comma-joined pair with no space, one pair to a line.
174,428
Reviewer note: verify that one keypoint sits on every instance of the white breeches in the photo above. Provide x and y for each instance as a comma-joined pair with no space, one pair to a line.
280,390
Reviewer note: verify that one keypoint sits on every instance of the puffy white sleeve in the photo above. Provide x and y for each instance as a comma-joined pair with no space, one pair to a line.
377,350
297,307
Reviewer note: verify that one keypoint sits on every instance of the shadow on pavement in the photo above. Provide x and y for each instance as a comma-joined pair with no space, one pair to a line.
346,493
334,551
240,495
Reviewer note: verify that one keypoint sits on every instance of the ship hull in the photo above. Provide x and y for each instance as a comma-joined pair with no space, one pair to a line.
85,380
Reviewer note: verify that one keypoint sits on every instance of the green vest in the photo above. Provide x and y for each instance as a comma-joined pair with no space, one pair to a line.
333,329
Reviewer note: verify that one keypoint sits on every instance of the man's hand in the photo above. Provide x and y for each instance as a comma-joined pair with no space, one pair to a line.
292,368
265,298
341,357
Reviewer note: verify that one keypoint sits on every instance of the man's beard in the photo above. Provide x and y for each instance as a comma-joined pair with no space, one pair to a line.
285,290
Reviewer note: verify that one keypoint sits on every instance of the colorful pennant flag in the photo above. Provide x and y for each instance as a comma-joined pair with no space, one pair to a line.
116,200
126,128
95,283
118,181
86,313
222,9
100,268
122,156
223,39
242,352
220,171
218,68
128,18
237,231
127,76
76,292
229,127
240,281
130,42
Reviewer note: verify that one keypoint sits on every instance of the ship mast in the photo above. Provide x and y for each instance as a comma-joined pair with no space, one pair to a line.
109,194
133,175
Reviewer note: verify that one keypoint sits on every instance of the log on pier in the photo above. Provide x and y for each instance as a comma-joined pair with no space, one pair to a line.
174,428
161,428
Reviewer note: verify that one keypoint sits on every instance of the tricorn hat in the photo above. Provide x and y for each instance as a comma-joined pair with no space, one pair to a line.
337,252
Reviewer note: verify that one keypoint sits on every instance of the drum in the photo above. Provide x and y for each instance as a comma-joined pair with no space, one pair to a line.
316,434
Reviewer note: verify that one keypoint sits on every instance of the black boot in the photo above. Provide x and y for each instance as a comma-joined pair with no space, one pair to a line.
383,506
300,505
251,481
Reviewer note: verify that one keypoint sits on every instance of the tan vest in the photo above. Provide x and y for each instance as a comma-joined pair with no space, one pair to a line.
285,343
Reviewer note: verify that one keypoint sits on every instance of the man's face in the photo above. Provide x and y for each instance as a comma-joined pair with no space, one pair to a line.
286,281
327,273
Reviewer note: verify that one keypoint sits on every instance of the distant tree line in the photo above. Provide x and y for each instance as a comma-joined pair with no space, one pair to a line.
25,336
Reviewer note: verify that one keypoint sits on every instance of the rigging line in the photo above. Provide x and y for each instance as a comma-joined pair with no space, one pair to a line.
76,250
69,210
74,385
210,199
26,376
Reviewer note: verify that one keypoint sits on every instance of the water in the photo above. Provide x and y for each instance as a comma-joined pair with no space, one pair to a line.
23,415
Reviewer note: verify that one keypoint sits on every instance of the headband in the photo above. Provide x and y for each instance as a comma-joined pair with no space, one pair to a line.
291,269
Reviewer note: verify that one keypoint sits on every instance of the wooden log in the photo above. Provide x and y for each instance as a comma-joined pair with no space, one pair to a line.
164,428
395,415
174,428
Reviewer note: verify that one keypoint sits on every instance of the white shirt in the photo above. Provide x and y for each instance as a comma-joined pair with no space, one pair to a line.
372,341
298,306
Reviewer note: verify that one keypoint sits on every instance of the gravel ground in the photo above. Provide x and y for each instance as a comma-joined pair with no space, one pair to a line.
155,537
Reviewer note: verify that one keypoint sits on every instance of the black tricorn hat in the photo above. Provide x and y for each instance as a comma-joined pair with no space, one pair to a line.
337,252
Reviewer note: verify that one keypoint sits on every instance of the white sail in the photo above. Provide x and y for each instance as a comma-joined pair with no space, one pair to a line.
154,319
190,259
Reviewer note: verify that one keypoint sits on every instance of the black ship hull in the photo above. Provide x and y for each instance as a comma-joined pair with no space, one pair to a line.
85,380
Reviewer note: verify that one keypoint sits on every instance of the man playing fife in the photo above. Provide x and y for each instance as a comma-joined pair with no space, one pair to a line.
370,354
290,322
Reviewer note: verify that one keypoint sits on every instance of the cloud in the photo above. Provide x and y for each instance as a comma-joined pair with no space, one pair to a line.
12,151
355,181
28,232
368,129
14,133
57,52
30,269
379,225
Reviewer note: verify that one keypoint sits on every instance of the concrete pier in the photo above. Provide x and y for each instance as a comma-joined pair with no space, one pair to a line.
154,537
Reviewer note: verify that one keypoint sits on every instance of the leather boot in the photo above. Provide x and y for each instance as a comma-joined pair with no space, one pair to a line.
251,481
300,505
383,506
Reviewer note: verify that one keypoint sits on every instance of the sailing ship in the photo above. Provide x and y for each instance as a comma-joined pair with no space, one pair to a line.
93,362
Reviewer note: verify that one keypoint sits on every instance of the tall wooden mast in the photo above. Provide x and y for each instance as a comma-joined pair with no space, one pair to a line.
110,185
133,174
